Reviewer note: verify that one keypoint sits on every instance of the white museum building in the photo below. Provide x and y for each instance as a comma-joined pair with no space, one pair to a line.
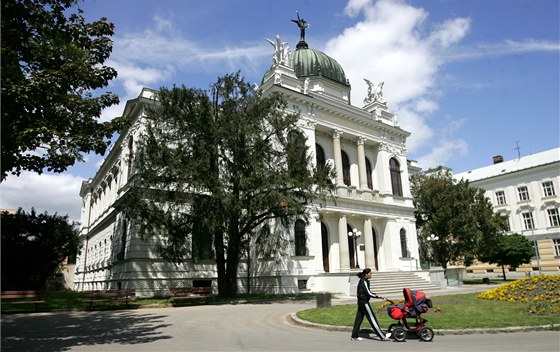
526,190
372,203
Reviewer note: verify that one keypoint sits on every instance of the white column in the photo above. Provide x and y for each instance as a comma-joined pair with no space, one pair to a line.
338,157
343,243
369,244
362,163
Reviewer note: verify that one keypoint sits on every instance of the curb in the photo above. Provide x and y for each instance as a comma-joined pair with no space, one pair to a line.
297,321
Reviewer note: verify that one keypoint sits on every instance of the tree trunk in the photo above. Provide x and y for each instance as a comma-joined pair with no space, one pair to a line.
504,272
220,263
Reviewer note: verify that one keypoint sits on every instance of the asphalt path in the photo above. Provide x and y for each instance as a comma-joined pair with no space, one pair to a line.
241,327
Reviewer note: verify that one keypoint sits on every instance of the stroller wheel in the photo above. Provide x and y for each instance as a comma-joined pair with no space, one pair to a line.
426,334
399,334
391,327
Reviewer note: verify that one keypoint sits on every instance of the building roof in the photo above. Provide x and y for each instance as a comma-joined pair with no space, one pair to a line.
507,167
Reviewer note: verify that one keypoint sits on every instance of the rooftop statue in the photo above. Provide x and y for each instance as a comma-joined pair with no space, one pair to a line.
302,24
374,93
281,51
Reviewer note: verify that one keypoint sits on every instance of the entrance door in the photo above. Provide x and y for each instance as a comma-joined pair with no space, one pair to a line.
375,249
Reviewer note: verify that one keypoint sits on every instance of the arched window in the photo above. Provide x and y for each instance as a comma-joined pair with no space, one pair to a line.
325,247
346,169
296,152
404,248
300,238
320,158
395,177
369,171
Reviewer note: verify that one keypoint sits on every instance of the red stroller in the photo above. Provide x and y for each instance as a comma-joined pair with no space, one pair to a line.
415,304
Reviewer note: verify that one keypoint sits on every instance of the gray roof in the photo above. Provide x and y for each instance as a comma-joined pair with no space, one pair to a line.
506,167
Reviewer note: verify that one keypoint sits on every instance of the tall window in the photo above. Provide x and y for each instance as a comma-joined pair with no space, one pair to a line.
404,247
548,189
296,153
369,171
122,250
556,245
528,220
346,169
523,193
325,247
130,157
553,217
300,238
395,177
500,198
320,158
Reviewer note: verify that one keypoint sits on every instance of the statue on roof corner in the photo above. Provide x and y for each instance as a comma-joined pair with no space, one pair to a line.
281,50
374,93
302,24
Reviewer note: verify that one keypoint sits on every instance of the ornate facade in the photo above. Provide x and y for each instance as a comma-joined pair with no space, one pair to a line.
373,200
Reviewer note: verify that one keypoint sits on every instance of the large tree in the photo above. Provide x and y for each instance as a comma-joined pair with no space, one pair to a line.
511,250
33,248
217,170
52,66
459,216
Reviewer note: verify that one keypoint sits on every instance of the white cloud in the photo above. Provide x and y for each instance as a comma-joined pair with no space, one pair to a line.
509,47
394,44
55,193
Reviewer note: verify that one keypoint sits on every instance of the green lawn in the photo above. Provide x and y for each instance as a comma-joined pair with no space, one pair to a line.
455,312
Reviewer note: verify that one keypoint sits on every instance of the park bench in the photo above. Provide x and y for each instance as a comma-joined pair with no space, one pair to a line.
26,297
100,296
189,293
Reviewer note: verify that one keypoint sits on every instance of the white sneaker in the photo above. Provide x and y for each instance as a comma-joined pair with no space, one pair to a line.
356,338
387,336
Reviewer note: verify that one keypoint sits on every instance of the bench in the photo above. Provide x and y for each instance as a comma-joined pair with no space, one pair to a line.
24,297
187,293
99,296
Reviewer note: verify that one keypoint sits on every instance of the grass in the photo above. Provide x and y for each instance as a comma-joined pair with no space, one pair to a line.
455,312
524,302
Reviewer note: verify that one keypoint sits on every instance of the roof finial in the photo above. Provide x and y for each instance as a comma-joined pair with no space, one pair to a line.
302,24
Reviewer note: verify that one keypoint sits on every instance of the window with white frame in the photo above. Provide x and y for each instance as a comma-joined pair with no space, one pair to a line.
528,220
553,217
523,193
556,246
500,197
548,189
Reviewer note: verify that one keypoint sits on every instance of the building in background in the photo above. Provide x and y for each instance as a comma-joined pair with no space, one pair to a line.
526,190
373,199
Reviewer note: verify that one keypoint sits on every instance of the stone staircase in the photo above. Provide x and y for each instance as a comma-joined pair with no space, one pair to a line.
391,284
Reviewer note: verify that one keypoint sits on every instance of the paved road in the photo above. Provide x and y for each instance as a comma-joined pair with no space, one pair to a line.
244,327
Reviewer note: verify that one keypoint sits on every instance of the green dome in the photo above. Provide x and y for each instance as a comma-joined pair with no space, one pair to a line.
308,63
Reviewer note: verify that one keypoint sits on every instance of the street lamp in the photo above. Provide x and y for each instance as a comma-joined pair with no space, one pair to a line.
354,235
431,239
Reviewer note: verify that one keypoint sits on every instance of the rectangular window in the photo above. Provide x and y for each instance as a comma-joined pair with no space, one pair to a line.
548,189
528,221
536,247
556,245
500,197
523,193
553,217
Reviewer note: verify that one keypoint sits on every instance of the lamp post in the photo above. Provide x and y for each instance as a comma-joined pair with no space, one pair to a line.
354,235
431,239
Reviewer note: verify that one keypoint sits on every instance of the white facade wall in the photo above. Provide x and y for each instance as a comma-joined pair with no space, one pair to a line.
326,119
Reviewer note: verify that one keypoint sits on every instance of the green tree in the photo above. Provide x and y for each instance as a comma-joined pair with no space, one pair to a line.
218,169
459,215
52,62
511,250
33,248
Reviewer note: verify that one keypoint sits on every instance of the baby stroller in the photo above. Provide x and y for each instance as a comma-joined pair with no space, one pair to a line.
415,304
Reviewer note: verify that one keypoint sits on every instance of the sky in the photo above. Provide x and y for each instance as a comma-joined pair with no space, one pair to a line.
469,79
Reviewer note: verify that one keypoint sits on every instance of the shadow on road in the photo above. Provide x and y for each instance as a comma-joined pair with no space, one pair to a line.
50,332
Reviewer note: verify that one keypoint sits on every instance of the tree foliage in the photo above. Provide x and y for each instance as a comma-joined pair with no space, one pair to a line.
218,169
511,250
33,248
458,214
52,62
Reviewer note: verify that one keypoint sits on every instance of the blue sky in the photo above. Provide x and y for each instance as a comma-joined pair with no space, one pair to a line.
469,79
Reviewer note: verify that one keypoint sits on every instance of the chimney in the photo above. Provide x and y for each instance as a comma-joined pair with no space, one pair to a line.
497,159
